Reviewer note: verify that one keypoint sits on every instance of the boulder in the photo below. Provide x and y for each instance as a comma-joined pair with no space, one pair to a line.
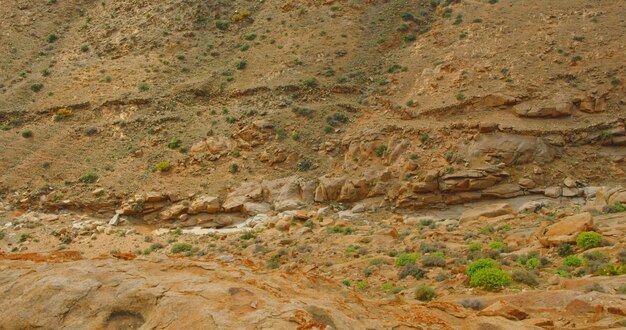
253,208
173,212
591,104
559,106
570,192
553,192
289,197
566,230
507,190
204,204
488,211
527,183
247,192
353,190
618,197
470,180
329,188
512,149
504,309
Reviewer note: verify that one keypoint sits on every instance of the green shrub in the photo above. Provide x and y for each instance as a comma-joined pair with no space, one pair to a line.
480,264
527,277
424,293
174,143
341,230
615,208
233,168
52,38
475,247
565,249
27,134
240,65
497,245
36,87
142,87
490,279
611,270
302,111
406,259
310,83
164,166
305,165
572,261
434,261
362,285
273,262
222,25
589,239
411,270
532,263
410,37
248,235
336,119
181,247
391,288
89,178
380,150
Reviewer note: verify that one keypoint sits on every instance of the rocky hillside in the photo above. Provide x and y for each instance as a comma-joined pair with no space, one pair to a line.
372,151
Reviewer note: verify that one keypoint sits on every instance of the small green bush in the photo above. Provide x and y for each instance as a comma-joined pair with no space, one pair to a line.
310,83
497,245
36,87
174,143
434,261
527,277
565,249
302,111
572,261
164,166
89,178
273,262
222,25
490,279
27,134
240,65
181,247
233,168
142,87
305,165
615,208
480,264
532,263
380,150
336,119
406,259
411,270
424,293
589,239
52,38
611,270
475,246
